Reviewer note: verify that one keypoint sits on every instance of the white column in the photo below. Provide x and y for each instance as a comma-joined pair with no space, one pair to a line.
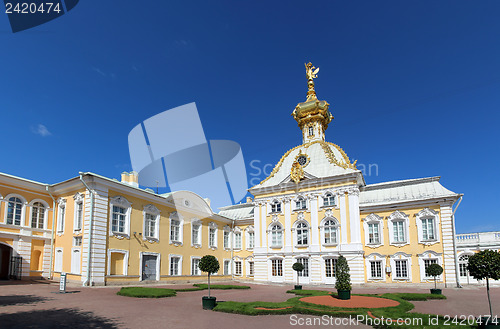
314,223
288,225
354,218
256,224
343,219
24,250
448,254
263,225
46,259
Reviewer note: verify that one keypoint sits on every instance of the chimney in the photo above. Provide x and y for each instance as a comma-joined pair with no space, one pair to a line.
131,178
125,177
249,199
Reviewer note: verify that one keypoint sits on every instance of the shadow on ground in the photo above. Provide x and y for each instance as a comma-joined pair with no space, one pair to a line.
20,299
55,318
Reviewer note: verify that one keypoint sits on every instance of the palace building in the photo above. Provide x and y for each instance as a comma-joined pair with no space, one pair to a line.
314,206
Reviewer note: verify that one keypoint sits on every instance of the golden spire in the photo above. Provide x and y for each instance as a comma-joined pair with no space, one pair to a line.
311,73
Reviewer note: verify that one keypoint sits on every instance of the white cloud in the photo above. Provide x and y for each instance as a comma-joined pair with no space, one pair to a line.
41,130
98,71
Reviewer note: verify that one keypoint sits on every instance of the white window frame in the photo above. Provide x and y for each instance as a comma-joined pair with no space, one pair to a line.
196,223
58,263
179,265
74,270
45,213
336,227
61,216
302,200
237,242
427,214
400,256
240,262
23,210
374,219
158,263
375,257
78,199
279,232
226,269
305,261
176,216
250,241
295,233
248,272
429,255
226,237
330,279
276,277
212,226
394,217
193,258
151,210
120,201
276,204
76,238
329,194
125,261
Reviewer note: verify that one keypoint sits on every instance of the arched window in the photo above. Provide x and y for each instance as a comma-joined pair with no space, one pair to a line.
14,211
330,229
276,206
37,215
329,200
276,236
300,203
302,234
463,260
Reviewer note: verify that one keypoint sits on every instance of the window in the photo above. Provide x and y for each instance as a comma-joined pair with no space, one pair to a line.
77,241
373,233
251,240
226,267
226,239
250,268
195,269
305,271
118,220
150,225
212,235
427,263
302,234
330,265
463,260
428,229
376,269
237,240
237,268
300,203
276,206
61,215
196,234
75,261
330,229
58,260
311,131
175,226
37,215
276,236
78,216
401,269
14,211
398,231
328,200
174,265
277,267
117,261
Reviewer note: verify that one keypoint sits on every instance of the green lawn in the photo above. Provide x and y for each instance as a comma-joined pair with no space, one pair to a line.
145,292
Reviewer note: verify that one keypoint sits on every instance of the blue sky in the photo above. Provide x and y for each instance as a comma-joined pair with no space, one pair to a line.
413,86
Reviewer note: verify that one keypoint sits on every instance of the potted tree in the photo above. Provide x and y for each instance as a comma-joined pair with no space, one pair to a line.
434,270
297,267
209,264
486,265
343,283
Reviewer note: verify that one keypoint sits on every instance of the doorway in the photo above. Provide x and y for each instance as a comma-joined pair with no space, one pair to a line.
5,253
149,263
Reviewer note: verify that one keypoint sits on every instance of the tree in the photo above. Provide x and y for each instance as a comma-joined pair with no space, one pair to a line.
209,264
342,273
297,267
434,270
485,265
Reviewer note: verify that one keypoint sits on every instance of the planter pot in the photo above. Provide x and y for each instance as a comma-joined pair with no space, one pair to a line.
436,291
344,294
208,302
485,324
297,287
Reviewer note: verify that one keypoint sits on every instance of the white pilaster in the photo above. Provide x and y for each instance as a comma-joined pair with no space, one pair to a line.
314,223
256,224
24,251
343,219
263,210
448,254
288,225
46,259
354,218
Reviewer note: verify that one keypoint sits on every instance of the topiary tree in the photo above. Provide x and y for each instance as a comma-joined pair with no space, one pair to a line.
434,270
297,267
209,264
342,273
485,265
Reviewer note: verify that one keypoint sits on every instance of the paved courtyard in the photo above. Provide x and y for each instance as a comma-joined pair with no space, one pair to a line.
37,305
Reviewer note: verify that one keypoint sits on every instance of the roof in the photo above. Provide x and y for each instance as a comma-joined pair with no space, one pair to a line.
325,160
404,190
238,211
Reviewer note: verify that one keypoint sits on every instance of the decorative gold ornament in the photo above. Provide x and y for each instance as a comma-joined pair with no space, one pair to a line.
304,156
311,73
297,172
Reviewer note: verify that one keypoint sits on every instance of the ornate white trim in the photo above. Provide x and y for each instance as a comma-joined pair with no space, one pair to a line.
399,216
373,219
120,201
425,214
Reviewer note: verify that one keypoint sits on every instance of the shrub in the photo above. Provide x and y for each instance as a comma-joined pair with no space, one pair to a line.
209,264
485,265
297,267
343,276
434,270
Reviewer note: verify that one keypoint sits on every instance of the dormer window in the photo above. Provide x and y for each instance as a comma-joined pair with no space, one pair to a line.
276,206
311,131
329,200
